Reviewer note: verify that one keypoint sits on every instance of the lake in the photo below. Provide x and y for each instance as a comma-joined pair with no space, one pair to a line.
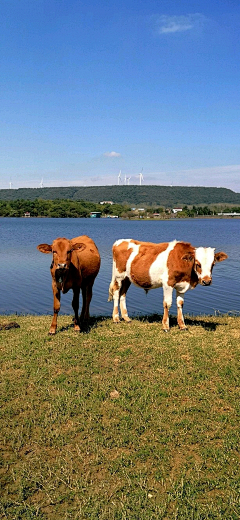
26,280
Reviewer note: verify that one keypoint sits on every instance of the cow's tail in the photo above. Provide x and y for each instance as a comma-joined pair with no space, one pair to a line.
110,292
111,286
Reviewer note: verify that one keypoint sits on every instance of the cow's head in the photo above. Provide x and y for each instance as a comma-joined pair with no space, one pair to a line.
62,249
205,259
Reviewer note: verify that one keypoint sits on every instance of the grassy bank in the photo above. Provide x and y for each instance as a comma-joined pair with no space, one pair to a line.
125,422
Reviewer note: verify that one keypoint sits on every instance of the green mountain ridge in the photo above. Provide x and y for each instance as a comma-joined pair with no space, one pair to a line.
150,195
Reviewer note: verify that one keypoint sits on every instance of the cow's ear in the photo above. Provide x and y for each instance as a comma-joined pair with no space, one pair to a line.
189,257
79,246
44,248
219,257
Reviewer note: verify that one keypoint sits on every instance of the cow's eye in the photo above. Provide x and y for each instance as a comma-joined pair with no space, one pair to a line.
54,252
198,266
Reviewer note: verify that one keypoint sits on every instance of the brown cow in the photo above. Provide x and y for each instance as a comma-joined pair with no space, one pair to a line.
170,265
75,265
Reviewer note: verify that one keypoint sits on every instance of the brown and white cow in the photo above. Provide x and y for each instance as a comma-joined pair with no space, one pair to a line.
75,265
170,265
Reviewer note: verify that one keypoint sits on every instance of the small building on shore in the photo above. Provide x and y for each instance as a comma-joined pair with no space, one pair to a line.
176,210
95,214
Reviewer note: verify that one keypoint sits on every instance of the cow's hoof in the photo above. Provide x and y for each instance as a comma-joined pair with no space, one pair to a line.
128,320
76,328
183,329
52,333
166,330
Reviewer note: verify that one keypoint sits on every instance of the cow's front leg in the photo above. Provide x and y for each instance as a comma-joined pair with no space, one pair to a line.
56,307
167,302
75,306
180,318
123,291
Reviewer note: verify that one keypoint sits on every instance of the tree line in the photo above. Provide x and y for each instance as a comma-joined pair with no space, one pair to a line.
206,210
63,208
58,208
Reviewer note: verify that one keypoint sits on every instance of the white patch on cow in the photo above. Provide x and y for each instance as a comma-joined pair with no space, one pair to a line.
167,295
182,287
205,256
123,303
159,271
121,240
134,253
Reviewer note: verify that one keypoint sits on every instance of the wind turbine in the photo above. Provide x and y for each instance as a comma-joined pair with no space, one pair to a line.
10,184
140,177
128,179
41,184
125,179
119,178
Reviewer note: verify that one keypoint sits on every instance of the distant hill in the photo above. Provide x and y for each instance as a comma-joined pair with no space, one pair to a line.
165,196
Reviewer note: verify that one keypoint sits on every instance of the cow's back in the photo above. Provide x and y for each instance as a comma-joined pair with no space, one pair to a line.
89,258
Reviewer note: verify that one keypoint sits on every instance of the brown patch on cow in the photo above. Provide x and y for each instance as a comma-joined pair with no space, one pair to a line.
88,257
121,255
180,264
165,320
198,267
115,315
142,262
180,319
115,286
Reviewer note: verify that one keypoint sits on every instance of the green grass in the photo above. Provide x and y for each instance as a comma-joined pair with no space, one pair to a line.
123,423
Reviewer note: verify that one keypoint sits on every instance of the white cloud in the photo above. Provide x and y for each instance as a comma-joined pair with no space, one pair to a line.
173,24
112,154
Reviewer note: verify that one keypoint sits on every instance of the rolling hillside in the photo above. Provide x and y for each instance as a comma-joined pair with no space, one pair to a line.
165,196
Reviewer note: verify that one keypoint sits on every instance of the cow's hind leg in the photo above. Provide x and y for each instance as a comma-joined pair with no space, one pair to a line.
180,318
75,306
123,291
56,308
167,302
86,296
114,295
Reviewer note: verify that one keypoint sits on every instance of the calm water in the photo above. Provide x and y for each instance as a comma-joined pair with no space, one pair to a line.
26,279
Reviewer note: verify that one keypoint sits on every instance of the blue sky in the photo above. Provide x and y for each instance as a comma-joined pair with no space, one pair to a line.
91,88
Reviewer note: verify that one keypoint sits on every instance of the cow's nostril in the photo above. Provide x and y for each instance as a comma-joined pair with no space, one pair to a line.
206,282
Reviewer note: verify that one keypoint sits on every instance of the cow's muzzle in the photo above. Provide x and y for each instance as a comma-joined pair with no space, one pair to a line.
62,266
206,281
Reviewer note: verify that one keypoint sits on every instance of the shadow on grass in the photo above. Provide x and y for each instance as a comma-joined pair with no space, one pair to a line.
152,318
199,322
85,327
